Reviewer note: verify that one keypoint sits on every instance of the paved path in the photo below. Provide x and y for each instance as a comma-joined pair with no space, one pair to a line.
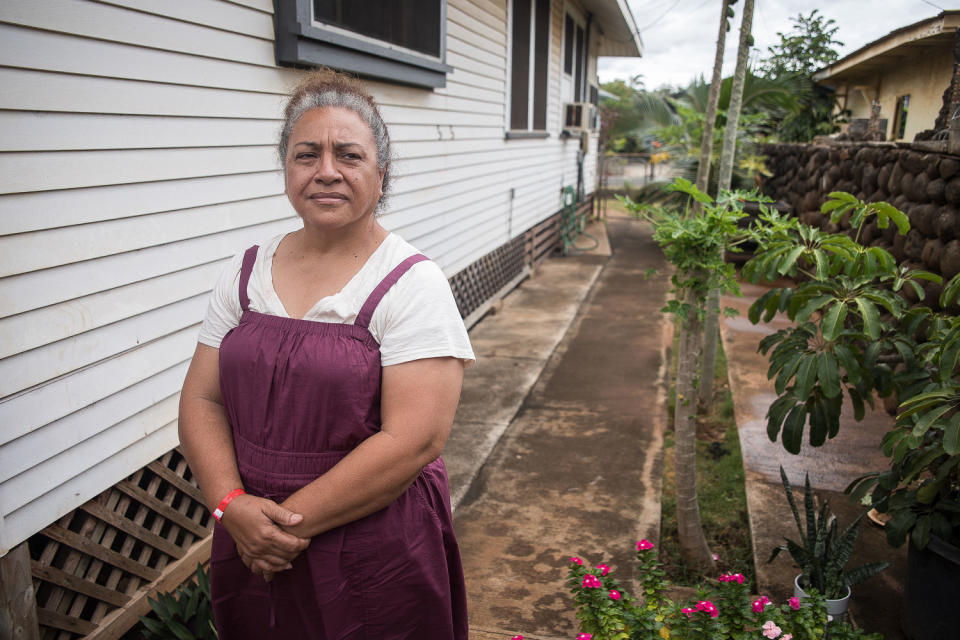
557,446
578,469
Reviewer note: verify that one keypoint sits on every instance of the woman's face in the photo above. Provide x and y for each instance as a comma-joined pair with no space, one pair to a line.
332,179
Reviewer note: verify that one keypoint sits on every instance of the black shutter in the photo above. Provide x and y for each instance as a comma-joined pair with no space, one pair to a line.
541,59
520,65
581,57
568,45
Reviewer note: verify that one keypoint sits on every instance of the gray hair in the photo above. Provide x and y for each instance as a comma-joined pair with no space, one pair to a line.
327,88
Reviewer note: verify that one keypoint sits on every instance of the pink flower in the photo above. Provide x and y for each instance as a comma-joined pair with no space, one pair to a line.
604,569
794,603
590,581
732,577
707,607
575,560
688,610
789,636
517,638
759,604
771,630
614,594
644,544
584,636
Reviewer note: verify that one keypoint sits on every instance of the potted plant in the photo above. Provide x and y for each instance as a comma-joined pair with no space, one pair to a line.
823,552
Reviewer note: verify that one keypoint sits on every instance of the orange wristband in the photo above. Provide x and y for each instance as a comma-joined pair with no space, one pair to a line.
218,512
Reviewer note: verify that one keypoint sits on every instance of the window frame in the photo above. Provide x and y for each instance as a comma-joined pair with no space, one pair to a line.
901,111
533,82
301,41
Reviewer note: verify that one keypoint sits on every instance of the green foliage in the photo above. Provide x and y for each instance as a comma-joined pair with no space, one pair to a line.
823,551
184,614
805,49
695,243
849,319
855,335
721,610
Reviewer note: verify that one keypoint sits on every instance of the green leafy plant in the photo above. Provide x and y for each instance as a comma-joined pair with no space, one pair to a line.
855,334
921,489
823,550
183,614
722,609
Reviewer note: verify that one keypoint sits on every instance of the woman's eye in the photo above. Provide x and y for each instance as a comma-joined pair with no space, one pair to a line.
306,156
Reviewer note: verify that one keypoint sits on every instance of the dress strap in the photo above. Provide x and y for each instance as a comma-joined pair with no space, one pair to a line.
248,259
366,312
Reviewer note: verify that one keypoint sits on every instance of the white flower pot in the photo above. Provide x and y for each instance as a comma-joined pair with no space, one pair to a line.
836,609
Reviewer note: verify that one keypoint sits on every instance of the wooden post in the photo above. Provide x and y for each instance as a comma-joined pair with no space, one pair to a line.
18,609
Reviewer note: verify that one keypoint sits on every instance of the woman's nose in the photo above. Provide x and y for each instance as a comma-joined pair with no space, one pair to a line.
326,168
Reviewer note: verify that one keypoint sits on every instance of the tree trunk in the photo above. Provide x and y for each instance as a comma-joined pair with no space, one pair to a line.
711,336
693,544
711,322
736,99
709,123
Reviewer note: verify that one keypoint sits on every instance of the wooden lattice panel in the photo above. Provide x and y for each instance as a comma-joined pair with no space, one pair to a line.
482,279
93,569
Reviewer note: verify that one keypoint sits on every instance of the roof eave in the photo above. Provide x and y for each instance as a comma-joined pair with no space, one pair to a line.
619,34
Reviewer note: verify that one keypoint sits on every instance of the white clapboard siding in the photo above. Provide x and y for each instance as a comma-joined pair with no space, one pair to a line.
30,90
47,441
21,212
52,286
46,131
116,24
32,329
55,247
61,499
48,170
223,16
137,156
32,483
25,370
26,412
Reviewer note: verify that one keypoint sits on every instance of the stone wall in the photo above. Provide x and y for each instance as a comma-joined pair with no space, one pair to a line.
924,185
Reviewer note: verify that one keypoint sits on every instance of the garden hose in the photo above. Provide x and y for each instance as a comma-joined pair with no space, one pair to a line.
572,226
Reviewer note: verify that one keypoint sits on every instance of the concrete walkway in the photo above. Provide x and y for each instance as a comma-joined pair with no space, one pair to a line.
557,448
576,467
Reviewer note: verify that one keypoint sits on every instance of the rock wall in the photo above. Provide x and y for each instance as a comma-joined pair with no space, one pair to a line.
924,185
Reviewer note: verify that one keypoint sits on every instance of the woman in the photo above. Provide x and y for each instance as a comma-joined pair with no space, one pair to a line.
319,399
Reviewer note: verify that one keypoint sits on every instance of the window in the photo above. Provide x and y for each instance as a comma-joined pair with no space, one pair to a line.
575,56
900,117
529,59
400,40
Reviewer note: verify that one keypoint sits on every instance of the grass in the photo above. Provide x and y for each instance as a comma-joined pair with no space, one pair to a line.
720,492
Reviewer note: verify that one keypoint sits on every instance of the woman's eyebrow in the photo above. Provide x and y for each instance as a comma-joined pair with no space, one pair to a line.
317,145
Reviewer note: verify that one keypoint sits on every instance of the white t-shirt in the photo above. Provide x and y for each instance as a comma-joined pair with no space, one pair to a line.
417,318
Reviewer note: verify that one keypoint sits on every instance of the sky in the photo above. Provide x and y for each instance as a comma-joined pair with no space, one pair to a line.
679,36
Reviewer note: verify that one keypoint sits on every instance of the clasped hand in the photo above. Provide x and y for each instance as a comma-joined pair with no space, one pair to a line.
256,526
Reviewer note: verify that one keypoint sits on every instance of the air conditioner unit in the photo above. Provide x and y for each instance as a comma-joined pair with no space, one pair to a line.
579,116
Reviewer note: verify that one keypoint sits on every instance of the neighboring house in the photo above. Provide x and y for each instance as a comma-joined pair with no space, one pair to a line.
906,71
137,155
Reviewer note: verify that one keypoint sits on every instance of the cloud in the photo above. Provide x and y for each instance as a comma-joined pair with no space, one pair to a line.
680,37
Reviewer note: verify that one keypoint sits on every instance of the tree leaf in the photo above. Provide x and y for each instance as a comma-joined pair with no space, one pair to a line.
951,436
828,374
871,317
793,429
832,323
806,376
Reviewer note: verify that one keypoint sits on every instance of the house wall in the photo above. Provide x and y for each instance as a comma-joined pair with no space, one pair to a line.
137,155
923,77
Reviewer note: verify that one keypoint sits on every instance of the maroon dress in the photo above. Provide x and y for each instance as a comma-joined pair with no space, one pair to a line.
300,395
